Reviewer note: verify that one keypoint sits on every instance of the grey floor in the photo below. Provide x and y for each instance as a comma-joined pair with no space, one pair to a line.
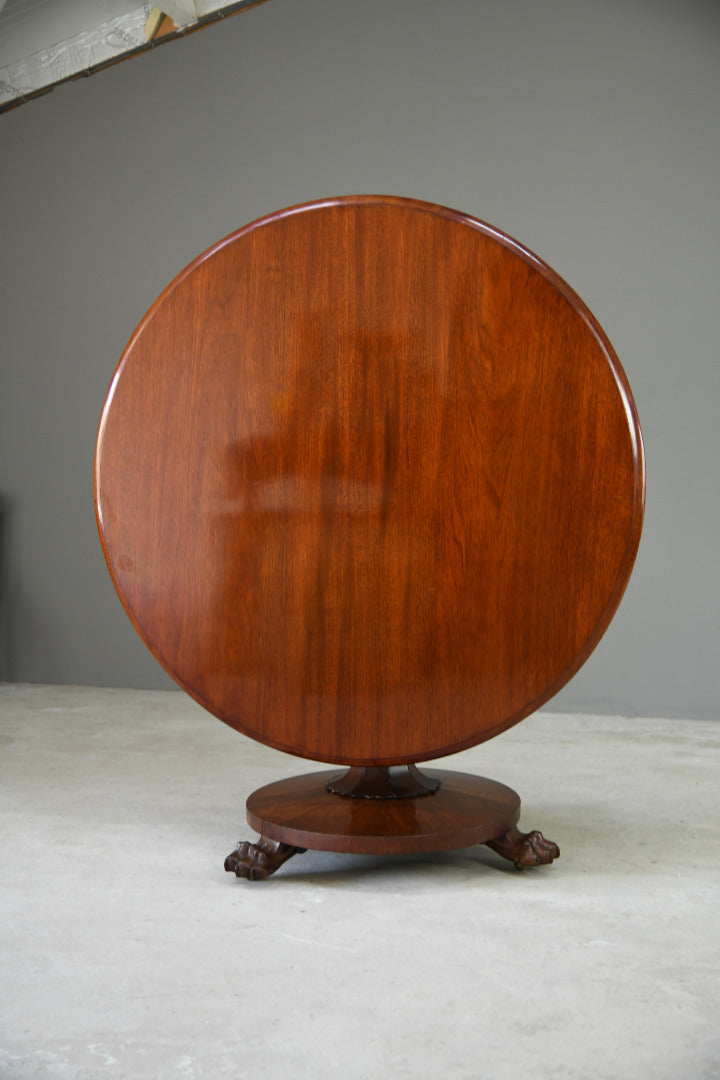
128,952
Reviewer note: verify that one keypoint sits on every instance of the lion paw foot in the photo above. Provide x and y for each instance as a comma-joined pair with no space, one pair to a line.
525,849
259,860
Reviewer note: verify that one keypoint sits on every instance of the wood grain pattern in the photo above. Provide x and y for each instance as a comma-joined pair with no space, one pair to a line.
465,810
369,481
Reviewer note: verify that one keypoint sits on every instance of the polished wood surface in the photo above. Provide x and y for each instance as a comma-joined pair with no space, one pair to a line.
465,810
369,481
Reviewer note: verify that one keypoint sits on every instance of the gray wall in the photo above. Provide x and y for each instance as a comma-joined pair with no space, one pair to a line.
588,129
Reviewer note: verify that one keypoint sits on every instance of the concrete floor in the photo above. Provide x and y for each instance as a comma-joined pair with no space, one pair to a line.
128,952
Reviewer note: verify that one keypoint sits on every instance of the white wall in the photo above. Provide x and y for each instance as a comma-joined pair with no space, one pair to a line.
588,129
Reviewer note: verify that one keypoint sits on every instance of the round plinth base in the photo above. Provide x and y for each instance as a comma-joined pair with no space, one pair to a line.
464,810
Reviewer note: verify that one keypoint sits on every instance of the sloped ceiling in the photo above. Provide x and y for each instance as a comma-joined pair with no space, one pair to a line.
44,42
30,26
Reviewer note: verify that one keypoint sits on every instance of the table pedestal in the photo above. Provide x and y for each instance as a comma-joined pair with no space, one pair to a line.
307,812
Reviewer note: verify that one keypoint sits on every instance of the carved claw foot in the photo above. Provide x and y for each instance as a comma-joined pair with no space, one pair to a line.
259,860
525,849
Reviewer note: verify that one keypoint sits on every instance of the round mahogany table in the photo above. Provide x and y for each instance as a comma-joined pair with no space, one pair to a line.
370,484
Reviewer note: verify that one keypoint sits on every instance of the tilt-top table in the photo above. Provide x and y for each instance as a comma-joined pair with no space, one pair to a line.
370,485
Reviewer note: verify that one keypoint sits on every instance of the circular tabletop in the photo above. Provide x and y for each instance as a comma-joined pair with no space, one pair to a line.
369,481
